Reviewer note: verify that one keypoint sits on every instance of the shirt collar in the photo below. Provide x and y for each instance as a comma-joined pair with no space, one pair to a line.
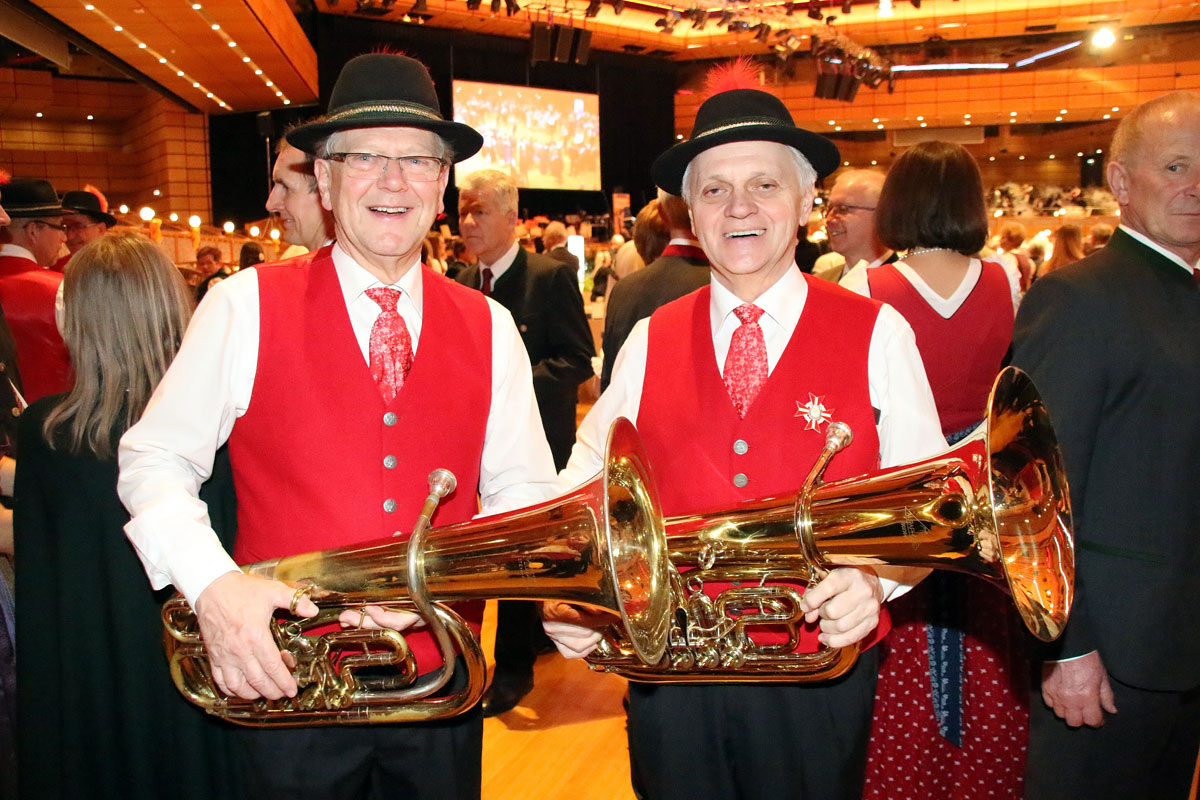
16,251
502,263
684,241
782,303
355,280
1158,248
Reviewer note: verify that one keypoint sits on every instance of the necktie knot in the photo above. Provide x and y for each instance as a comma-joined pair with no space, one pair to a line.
385,298
748,313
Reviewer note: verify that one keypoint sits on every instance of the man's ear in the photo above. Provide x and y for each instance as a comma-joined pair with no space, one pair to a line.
1118,180
323,175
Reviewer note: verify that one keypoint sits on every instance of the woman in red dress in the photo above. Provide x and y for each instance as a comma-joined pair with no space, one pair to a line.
951,704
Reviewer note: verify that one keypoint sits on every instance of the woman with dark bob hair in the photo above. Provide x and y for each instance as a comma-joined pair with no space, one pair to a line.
952,692
97,713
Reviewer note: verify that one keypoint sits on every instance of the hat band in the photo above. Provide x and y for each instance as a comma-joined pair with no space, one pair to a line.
741,124
26,209
387,108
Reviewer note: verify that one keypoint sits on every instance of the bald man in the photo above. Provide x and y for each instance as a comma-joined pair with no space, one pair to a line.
850,223
1113,342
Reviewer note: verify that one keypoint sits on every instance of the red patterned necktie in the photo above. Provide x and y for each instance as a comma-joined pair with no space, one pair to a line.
391,346
746,362
486,286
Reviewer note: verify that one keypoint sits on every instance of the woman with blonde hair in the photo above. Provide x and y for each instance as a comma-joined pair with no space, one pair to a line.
1068,248
97,713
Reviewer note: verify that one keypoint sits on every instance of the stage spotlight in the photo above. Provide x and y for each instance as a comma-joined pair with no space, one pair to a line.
764,31
847,6
473,5
726,18
916,3
495,6
593,8
618,6
1103,38
814,10
789,8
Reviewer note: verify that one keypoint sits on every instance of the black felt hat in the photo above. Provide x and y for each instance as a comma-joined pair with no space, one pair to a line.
386,90
87,203
24,198
742,115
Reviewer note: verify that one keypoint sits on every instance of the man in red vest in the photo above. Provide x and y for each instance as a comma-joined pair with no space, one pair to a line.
732,388
340,379
29,243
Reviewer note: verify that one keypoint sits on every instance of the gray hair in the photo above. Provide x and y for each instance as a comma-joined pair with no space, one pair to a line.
501,184
806,176
1130,131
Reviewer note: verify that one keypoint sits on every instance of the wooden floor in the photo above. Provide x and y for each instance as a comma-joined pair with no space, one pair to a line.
565,741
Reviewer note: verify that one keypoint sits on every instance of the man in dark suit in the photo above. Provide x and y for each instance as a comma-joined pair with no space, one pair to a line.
543,296
554,239
680,269
1113,343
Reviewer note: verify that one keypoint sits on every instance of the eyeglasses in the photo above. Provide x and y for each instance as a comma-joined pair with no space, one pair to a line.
43,223
75,227
373,165
841,209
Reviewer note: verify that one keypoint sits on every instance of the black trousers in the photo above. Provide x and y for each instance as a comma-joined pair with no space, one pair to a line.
417,761
752,741
1146,750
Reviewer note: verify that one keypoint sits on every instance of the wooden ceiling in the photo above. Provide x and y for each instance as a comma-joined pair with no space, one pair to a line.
241,55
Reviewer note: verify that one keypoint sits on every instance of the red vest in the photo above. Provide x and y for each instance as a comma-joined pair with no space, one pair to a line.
962,354
310,455
693,435
27,296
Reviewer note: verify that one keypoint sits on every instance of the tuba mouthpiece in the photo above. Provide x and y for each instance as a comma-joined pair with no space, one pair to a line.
838,435
442,482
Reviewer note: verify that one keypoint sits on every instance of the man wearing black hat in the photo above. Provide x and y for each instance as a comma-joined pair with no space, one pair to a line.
732,401
341,379
85,221
28,244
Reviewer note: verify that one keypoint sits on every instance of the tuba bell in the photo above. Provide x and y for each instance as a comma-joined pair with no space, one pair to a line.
995,506
601,545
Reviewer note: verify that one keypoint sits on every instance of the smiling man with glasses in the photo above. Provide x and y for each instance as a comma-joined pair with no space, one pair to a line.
340,379
850,223
86,220
30,242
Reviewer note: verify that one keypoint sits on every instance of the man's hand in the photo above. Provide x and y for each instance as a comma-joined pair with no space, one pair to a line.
234,613
847,604
376,617
572,629
1078,690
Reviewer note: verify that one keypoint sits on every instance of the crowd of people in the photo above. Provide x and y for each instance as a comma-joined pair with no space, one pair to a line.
158,444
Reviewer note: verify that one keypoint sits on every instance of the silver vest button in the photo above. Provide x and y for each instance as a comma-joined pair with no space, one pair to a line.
740,480
389,418
389,505
389,462
740,447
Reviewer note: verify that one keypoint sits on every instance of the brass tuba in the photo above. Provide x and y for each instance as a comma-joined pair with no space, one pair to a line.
995,506
601,545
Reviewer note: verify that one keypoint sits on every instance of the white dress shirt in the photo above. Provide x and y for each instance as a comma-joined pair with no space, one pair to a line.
10,250
167,455
908,422
945,307
501,266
